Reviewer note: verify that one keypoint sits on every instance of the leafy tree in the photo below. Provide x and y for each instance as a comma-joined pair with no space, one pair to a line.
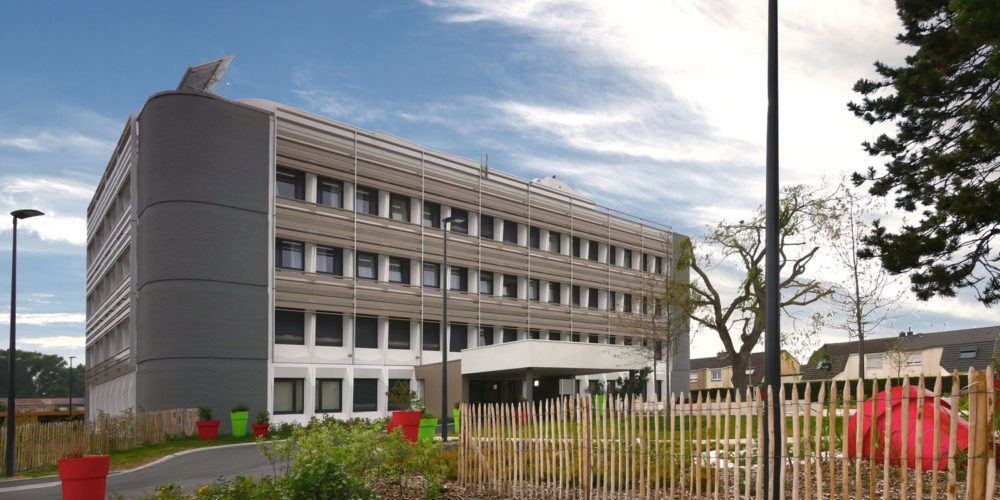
942,158
41,376
635,384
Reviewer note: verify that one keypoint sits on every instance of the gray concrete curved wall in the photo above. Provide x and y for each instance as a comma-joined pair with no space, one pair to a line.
202,254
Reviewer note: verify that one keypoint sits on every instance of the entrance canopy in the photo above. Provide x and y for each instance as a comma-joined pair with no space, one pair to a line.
544,358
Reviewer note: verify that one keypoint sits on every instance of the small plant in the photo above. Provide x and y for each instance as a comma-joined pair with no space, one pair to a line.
239,407
263,417
400,396
77,450
204,413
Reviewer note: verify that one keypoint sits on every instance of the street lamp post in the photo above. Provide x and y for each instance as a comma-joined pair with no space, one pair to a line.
71,388
11,354
444,329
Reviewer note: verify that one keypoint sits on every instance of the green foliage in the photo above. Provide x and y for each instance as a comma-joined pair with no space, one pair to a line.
204,413
41,376
636,382
244,488
239,407
401,397
263,417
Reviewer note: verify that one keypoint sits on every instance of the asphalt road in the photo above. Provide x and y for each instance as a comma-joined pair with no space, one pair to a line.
191,469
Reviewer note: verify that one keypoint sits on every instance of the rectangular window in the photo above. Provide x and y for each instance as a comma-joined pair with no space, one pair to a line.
366,200
627,259
627,303
290,183
459,337
367,266
626,340
485,335
612,301
366,332
288,395
967,353
288,254
555,335
431,331
510,286
612,339
509,334
592,339
486,226
533,289
459,279
329,260
914,358
399,208
534,237
393,382
874,362
330,192
399,270
592,251
460,226
555,292
509,232
399,334
717,375
574,337
432,214
555,242
432,275
613,255
486,282
329,329
693,377
592,298
658,265
534,334
328,395
365,394
576,295
289,327
576,246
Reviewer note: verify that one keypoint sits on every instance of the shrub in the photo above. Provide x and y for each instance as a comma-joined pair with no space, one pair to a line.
401,397
204,413
239,407
263,417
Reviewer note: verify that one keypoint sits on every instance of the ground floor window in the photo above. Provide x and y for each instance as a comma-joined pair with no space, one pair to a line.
328,395
288,395
366,394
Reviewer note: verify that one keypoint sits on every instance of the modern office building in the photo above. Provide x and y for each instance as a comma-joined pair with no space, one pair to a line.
249,252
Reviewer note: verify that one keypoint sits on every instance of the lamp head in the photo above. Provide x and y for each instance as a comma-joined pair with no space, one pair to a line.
454,219
25,213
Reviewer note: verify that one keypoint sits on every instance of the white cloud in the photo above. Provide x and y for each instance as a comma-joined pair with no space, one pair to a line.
55,342
59,199
56,140
44,318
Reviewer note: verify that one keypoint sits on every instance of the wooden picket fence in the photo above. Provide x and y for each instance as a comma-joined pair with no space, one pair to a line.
41,444
711,448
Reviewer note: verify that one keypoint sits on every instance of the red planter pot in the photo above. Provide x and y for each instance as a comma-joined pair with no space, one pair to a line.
409,421
84,478
208,429
260,430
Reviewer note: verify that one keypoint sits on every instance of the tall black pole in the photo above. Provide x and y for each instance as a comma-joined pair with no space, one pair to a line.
444,337
71,388
772,344
9,453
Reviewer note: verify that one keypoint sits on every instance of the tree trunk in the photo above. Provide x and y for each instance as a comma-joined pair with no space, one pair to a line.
740,362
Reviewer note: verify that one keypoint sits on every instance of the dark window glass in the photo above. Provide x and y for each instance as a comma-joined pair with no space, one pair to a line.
592,339
432,275
288,395
290,183
613,255
612,300
399,334
329,329
576,246
432,214
627,258
509,334
485,335
533,289
329,395
592,297
366,394
510,232
399,208
534,237
460,226
329,260
459,338
366,332
555,335
288,254
592,251
367,266
576,295
627,340
574,337
486,226
393,382
510,286
555,292
612,339
534,334
330,192
289,327
431,331
628,303
399,270
367,200
486,282
645,261
555,242
459,279
658,265
645,304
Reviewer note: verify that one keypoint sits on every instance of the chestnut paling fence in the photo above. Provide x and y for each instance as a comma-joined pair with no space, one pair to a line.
711,448
42,444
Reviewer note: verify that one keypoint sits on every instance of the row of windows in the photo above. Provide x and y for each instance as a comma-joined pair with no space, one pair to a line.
110,281
113,342
291,183
289,395
107,225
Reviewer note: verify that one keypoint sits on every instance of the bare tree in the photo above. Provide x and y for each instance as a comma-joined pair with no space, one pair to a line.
897,356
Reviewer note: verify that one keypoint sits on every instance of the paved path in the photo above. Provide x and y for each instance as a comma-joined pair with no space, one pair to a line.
191,469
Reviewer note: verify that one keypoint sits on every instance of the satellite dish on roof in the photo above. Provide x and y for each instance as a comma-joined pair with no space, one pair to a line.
203,77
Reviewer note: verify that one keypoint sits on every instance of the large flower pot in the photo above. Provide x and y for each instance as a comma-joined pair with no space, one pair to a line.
260,430
208,429
409,421
599,403
427,428
239,420
455,415
84,478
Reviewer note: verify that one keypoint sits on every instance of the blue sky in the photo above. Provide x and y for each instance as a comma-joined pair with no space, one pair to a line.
656,108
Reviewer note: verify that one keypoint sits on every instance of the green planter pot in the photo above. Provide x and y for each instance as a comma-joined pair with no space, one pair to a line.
454,415
599,403
427,427
239,420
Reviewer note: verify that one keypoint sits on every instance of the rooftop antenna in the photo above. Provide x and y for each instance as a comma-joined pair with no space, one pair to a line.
484,168
205,76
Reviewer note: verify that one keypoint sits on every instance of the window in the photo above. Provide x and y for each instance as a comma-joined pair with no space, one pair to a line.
486,226
717,375
555,292
534,334
555,335
432,215
574,337
432,275
366,394
576,295
432,335
576,246
460,226
592,298
459,337
627,307
399,334
534,237
399,208
914,358
366,201
751,371
486,335
366,332
290,183
393,382
592,251
399,270
612,339
612,301
510,232
328,395
288,254
658,265
509,334
288,395
613,255
874,362
627,258
329,329
486,282
289,327
510,286
533,289
367,266
459,279
967,353
626,340
592,339
329,260
330,192
693,377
